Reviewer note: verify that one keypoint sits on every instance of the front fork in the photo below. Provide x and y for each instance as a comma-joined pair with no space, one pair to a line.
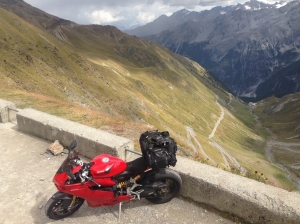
72,202
68,200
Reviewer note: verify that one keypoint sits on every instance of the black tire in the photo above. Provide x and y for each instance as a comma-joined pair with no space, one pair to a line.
54,208
166,194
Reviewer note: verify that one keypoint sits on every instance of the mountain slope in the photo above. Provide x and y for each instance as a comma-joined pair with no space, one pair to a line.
163,23
282,116
102,77
242,47
283,82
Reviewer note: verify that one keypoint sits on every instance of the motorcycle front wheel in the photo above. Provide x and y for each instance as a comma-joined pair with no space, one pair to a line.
172,184
55,208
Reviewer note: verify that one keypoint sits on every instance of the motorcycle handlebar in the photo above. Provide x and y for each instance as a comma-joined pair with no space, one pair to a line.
84,171
92,180
70,174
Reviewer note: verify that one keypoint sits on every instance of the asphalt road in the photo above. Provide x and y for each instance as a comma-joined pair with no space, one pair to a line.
26,173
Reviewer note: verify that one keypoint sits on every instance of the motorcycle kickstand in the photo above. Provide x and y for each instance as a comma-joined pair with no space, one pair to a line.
120,210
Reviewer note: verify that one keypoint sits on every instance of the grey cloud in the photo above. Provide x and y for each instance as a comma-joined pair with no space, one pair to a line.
80,11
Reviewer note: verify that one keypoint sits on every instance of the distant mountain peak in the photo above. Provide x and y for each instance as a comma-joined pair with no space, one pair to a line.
257,5
254,5
281,4
182,11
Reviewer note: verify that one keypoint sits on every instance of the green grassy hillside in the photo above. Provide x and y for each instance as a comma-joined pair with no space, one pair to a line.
102,77
282,117
286,112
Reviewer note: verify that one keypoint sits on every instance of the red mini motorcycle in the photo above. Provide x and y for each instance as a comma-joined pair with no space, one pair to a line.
108,180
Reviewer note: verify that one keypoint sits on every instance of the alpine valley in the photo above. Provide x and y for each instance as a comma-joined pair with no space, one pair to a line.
252,48
99,76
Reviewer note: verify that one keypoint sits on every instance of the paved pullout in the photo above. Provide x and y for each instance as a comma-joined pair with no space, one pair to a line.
26,184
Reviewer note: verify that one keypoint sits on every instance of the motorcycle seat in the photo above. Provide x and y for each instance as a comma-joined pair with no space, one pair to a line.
136,165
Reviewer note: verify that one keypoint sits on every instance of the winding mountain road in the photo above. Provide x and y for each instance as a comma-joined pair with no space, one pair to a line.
191,133
212,134
225,155
289,149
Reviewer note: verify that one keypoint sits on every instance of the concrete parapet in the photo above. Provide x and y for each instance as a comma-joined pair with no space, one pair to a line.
90,141
6,112
251,200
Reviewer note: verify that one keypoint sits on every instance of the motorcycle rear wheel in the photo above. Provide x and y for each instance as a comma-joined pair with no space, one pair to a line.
54,208
166,194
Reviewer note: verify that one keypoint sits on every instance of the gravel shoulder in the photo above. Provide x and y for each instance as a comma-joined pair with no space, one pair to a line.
26,185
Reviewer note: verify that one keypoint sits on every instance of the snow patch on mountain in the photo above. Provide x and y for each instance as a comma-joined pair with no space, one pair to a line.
280,4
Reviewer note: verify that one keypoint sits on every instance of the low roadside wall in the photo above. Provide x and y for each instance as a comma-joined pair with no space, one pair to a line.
253,201
90,141
7,111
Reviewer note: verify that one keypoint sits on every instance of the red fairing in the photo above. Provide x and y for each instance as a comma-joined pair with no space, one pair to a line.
106,166
61,178
95,198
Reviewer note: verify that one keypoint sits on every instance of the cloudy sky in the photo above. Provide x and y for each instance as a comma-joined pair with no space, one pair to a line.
124,14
